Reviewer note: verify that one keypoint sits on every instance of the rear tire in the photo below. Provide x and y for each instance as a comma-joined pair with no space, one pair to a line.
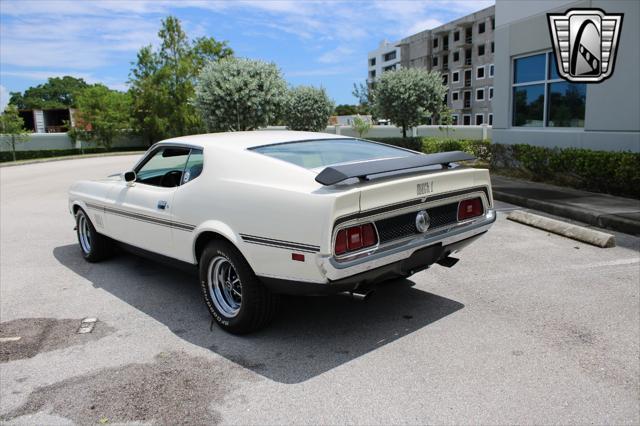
235,297
94,246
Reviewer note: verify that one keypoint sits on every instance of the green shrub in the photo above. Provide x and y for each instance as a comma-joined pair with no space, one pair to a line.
48,153
306,108
599,171
409,143
478,148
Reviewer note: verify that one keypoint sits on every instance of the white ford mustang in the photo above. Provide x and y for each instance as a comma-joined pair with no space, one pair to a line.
266,213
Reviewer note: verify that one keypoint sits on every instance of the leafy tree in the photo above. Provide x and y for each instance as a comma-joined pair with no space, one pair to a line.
346,109
102,115
409,96
162,82
307,108
57,92
361,125
445,120
12,128
239,94
365,96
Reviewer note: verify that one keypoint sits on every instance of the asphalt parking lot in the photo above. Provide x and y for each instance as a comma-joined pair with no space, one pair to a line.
527,328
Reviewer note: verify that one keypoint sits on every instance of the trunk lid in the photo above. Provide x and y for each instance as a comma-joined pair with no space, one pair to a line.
405,188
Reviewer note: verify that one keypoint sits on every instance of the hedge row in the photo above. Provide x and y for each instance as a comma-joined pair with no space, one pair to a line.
481,149
616,173
410,143
48,153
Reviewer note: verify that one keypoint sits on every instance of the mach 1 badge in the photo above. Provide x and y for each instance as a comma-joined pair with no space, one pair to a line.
585,42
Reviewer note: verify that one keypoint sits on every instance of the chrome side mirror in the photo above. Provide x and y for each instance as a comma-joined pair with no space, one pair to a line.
130,177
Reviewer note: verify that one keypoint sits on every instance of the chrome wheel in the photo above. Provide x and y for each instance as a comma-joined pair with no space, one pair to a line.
84,233
225,287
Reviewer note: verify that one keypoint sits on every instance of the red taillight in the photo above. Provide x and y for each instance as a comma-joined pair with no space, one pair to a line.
341,242
368,235
355,238
470,208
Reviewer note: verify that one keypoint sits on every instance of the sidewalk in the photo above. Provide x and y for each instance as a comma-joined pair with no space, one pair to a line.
601,210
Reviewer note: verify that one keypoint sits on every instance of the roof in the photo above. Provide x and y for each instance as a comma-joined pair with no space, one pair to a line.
244,140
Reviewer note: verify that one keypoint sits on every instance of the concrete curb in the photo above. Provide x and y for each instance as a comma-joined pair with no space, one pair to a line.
590,217
67,157
575,232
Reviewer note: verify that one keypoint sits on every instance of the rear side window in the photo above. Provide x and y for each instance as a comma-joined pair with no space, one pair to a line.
194,166
326,152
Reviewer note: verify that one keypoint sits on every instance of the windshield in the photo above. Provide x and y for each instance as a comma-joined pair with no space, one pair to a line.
326,152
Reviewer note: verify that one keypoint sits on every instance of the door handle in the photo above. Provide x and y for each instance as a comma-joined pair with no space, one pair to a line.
162,204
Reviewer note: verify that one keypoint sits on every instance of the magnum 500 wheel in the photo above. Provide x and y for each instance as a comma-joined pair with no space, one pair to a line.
236,299
94,246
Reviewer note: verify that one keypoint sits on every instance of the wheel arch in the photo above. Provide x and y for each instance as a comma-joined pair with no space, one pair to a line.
214,231
76,205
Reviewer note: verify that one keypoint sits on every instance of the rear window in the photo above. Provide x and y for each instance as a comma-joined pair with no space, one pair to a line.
327,152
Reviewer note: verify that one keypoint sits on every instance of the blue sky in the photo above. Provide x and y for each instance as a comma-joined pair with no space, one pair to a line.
319,43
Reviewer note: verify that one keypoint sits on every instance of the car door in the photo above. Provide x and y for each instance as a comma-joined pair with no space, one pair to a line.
140,213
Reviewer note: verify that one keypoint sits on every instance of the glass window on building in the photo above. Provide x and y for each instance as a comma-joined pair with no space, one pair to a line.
456,36
481,50
541,98
481,27
456,56
435,42
566,104
434,61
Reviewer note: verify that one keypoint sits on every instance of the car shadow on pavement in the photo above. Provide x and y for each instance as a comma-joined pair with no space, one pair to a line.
310,335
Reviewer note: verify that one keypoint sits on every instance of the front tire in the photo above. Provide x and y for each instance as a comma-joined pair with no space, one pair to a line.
236,299
94,246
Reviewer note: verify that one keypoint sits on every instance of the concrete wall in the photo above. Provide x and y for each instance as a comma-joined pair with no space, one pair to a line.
45,141
612,116
455,132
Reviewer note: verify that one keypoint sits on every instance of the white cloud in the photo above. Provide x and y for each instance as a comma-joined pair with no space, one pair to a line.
4,97
419,26
43,75
336,55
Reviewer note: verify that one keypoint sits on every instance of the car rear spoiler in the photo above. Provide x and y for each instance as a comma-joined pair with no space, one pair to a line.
362,170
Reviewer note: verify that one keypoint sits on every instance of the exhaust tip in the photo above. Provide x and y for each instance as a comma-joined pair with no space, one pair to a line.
358,295
361,296
448,261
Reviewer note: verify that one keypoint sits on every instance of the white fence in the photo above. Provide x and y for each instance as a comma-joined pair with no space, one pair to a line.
454,132
45,141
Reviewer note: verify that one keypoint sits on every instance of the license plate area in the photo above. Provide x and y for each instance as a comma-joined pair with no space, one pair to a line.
423,258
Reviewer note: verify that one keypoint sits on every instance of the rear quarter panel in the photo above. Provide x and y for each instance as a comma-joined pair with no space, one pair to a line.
253,195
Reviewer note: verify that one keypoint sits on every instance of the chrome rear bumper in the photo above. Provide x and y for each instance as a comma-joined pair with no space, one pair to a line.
336,270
